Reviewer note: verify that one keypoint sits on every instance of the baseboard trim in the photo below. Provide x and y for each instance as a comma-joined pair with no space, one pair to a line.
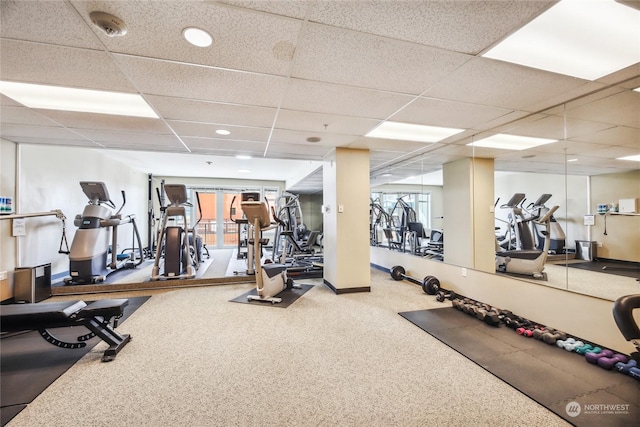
346,290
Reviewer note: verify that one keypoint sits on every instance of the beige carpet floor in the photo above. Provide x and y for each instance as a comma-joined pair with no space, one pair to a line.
197,359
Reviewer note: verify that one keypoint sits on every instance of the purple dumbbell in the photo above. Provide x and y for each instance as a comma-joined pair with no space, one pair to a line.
593,357
609,362
624,367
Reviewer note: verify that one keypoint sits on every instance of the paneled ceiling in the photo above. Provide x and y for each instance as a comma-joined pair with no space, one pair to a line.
281,72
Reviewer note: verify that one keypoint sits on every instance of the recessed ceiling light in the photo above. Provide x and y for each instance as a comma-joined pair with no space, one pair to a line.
504,141
223,132
73,99
635,158
585,39
244,171
197,37
637,89
242,157
411,132
572,160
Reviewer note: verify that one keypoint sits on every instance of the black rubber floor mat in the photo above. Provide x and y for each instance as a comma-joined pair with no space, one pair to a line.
559,380
289,296
29,364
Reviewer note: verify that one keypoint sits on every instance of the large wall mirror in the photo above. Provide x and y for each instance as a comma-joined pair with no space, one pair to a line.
593,233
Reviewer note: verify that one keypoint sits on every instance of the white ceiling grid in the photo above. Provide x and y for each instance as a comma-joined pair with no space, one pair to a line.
280,72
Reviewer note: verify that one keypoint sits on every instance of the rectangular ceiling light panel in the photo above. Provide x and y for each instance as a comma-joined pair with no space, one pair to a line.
588,39
73,99
411,132
504,141
635,158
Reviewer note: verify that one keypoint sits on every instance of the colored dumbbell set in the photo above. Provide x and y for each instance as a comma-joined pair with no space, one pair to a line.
606,359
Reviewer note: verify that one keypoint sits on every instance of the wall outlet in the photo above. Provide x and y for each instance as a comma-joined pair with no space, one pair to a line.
599,244
3,275
464,272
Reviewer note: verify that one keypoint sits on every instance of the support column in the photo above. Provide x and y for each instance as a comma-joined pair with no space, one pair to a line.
469,237
346,220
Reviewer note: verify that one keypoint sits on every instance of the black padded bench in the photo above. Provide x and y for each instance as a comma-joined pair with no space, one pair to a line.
97,316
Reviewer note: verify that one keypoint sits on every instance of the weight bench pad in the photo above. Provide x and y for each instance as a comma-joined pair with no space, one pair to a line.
20,317
104,308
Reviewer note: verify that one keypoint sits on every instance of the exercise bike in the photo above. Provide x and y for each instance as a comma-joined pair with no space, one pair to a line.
89,255
528,262
271,278
179,250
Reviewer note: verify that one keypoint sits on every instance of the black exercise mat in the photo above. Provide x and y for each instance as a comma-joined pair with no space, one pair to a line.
29,364
548,374
289,296
619,268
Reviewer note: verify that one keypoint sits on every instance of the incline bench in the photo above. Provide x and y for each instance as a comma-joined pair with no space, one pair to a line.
95,316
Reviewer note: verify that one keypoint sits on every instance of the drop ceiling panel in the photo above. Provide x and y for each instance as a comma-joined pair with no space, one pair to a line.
300,137
394,145
612,152
206,130
211,112
329,98
315,123
61,66
110,122
315,152
212,145
243,39
619,135
431,23
16,114
621,108
500,84
110,138
32,21
357,59
437,112
553,127
9,131
292,9
202,83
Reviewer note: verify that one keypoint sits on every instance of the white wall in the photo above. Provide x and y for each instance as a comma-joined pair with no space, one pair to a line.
49,180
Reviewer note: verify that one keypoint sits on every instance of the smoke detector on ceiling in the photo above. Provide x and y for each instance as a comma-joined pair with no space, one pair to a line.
111,25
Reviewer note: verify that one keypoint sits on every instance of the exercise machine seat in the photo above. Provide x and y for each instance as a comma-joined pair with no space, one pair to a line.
521,254
623,314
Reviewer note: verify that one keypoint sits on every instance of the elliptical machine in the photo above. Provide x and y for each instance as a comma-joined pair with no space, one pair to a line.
90,247
528,262
271,278
556,235
180,259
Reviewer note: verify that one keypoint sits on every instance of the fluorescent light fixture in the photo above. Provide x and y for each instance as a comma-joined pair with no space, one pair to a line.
635,158
572,160
244,171
73,99
411,132
243,157
223,132
197,37
504,141
637,89
580,38
386,175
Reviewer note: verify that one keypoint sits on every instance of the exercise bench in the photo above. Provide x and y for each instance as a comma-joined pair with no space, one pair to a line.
96,316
